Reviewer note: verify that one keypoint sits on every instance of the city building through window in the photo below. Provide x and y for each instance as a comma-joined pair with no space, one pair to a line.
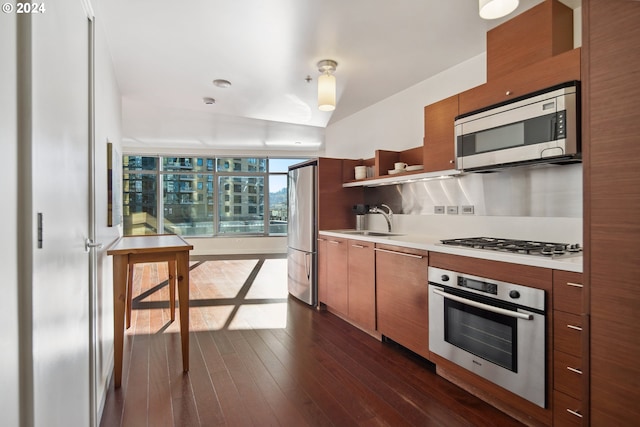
207,197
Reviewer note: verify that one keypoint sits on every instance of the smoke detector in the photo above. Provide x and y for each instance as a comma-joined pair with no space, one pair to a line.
222,83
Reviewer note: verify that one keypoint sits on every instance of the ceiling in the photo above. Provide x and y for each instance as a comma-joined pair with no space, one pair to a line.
167,53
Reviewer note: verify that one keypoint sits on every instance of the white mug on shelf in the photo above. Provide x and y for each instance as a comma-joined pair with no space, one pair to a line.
361,172
400,166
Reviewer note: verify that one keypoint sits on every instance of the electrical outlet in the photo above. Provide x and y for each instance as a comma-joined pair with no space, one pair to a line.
467,209
438,210
452,210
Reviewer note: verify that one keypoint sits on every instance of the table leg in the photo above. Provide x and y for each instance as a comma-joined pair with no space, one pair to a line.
182,261
172,289
129,294
120,263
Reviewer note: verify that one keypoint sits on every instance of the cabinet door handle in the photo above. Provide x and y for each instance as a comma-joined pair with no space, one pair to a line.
576,413
574,327
508,93
574,370
358,246
398,253
575,285
335,242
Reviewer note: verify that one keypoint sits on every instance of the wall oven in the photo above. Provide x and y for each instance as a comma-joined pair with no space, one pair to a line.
494,329
539,127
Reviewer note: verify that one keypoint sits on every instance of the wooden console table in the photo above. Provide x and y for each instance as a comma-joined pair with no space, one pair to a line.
130,250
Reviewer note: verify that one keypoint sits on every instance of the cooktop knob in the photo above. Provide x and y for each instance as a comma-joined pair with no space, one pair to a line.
444,278
514,294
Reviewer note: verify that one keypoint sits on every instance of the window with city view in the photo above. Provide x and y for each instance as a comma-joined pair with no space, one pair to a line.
196,196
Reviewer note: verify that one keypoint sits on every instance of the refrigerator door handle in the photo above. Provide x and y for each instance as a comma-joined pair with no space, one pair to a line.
307,265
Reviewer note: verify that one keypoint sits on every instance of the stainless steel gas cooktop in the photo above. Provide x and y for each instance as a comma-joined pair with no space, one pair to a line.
527,247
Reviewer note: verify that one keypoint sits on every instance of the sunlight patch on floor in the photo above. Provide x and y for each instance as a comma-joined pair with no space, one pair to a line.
271,280
232,295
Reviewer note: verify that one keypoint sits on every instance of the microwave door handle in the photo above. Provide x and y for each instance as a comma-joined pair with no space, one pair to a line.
487,307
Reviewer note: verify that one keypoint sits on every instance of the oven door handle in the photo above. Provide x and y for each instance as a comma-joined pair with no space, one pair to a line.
483,306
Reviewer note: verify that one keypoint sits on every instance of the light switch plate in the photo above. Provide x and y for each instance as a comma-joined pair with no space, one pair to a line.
467,209
452,210
438,210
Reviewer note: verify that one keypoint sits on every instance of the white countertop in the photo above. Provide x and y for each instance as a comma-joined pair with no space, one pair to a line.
417,241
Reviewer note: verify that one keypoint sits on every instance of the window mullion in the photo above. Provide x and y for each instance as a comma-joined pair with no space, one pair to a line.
160,198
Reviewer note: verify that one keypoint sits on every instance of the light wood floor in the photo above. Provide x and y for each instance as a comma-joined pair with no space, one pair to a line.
259,358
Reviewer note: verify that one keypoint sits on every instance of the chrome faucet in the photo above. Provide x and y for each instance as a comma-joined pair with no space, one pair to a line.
387,215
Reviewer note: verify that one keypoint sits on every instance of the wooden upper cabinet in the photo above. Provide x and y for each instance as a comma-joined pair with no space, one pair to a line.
334,201
539,33
439,145
541,75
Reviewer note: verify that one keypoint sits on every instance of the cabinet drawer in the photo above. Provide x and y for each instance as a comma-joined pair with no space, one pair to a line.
567,333
567,292
567,411
567,374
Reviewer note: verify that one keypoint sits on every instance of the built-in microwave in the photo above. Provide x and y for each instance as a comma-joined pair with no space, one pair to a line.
538,127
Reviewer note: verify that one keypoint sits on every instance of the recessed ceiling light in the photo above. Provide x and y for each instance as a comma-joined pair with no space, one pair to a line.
209,101
222,83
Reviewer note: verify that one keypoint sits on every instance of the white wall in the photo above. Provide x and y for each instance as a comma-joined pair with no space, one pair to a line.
397,123
9,366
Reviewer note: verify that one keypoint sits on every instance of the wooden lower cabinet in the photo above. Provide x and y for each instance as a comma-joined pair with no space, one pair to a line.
322,269
402,304
335,293
570,374
346,280
362,284
568,411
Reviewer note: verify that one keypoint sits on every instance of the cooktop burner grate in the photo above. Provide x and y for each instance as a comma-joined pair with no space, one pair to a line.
527,247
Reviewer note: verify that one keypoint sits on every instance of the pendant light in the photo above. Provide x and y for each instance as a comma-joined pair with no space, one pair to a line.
327,85
493,9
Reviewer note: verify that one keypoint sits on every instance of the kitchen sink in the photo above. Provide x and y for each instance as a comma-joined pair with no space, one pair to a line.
370,233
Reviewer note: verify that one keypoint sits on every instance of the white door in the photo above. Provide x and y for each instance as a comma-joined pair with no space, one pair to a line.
59,196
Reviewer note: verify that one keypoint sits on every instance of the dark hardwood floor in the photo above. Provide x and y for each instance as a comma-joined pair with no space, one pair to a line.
259,358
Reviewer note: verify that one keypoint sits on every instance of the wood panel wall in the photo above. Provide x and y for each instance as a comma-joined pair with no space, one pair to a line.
611,143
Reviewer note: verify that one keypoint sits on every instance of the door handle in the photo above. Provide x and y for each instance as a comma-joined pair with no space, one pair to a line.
89,244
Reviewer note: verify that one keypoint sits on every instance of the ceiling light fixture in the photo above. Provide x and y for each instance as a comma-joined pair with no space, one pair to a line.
327,85
208,101
493,9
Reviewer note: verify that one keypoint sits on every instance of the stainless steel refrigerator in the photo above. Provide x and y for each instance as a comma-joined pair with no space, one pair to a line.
302,232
